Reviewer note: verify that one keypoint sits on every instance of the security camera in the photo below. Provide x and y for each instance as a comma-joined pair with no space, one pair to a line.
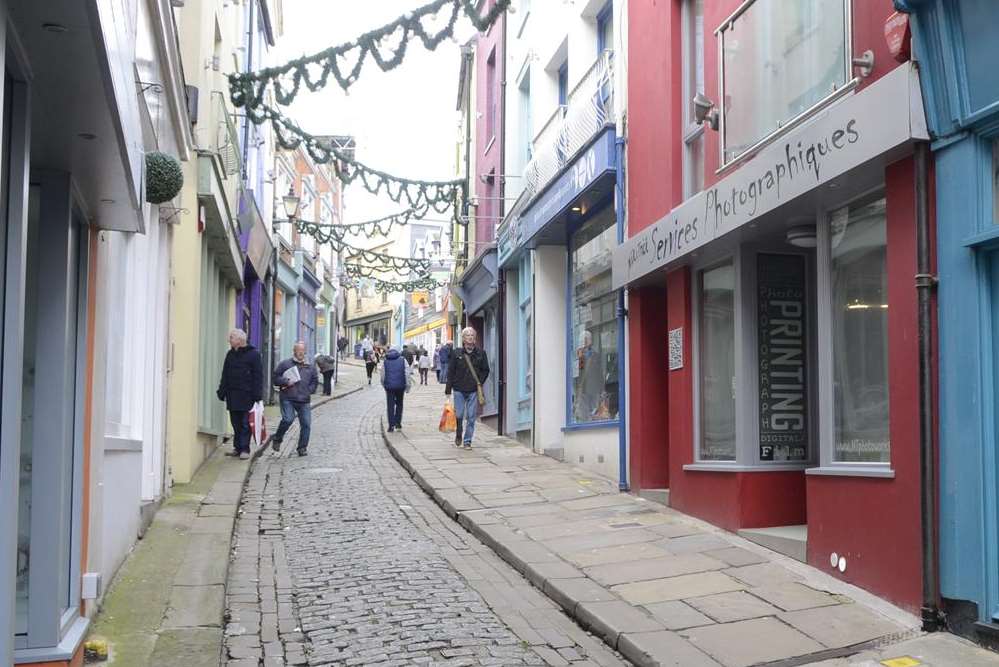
705,110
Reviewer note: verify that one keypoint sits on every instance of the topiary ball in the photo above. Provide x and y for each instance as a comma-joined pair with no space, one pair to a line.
164,177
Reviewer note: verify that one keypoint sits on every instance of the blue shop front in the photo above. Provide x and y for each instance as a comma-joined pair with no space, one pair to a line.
563,337
955,44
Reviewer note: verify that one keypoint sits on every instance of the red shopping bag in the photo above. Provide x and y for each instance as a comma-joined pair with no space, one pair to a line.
449,423
258,425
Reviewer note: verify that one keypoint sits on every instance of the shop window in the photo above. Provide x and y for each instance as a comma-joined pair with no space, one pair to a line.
716,363
605,28
593,322
995,182
693,83
779,60
491,98
526,333
858,289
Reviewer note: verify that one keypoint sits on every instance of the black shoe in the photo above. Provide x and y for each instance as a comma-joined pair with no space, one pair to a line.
391,428
275,443
233,454
302,452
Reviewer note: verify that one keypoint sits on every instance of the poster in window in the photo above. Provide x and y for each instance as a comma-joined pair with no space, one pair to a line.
783,358
676,349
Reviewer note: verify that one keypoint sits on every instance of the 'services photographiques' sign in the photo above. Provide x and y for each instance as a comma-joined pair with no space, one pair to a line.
859,128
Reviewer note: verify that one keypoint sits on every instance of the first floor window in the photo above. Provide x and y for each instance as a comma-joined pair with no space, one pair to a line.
859,298
716,325
594,327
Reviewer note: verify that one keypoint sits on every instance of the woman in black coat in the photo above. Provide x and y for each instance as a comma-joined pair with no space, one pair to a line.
241,386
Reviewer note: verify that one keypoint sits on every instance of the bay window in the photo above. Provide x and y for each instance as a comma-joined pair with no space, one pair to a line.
593,321
716,363
779,60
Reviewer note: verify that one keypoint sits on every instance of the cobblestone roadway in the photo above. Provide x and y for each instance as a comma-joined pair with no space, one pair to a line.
342,560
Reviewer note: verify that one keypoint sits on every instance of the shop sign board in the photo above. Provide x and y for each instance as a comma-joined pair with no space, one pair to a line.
782,356
857,129
576,179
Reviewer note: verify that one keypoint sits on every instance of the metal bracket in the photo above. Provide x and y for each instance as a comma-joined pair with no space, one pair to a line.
865,63
171,214
150,85
926,280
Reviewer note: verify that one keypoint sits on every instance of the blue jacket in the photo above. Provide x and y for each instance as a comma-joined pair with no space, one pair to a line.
394,371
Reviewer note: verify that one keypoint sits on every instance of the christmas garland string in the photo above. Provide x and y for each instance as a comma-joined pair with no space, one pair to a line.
386,45
424,284
380,227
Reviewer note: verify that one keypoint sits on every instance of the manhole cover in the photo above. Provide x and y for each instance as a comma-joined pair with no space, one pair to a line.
323,471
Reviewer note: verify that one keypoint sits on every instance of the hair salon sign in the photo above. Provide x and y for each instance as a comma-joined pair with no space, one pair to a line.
884,116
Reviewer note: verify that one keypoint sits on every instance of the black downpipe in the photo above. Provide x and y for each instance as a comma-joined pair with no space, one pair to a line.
463,225
246,120
501,279
271,398
925,283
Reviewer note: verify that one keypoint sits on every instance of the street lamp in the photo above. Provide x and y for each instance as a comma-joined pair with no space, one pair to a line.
291,202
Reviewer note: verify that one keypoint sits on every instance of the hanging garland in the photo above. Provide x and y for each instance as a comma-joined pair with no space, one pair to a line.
366,271
383,261
424,284
386,46
415,194
380,227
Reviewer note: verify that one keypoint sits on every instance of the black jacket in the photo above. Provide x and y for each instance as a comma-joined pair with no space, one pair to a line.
300,392
242,382
459,377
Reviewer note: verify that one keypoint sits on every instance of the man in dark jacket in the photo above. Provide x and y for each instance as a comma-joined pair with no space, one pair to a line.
298,379
395,378
327,366
407,354
444,359
241,386
467,370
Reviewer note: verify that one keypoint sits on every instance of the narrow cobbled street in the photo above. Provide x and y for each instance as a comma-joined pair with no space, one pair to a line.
341,559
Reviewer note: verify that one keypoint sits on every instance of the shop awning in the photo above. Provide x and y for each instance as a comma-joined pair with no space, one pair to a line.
424,328
879,123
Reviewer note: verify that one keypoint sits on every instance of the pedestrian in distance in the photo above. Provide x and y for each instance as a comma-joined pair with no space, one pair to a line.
370,361
396,380
446,351
424,364
327,366
298,379
407,354
341,346
241,386
467,370
437,362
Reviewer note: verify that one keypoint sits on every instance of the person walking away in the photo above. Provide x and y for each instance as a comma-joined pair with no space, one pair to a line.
367,345
407,354
424,363
395,381
341,346
468,369
241,386
445,359
370,361
327,366
437,362
297,379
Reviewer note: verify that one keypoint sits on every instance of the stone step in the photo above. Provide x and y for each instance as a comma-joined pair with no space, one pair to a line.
660,496
787,540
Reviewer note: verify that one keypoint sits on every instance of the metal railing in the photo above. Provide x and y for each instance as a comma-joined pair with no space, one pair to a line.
224,137
589,108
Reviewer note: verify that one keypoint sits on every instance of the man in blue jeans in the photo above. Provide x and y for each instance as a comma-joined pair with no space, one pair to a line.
467,369
298,379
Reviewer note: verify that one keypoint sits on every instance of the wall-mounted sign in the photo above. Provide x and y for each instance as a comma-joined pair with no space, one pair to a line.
676,349
884,116
782,356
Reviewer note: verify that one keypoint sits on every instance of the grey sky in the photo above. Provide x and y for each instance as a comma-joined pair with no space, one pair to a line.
404,120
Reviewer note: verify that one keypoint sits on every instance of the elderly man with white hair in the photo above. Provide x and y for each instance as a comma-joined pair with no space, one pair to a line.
467,370
241,386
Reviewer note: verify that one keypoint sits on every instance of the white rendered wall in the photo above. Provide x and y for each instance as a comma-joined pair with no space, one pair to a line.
549,347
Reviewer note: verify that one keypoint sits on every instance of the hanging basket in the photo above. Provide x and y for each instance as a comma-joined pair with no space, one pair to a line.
164,177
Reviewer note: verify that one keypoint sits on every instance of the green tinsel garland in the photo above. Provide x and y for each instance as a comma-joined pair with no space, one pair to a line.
419,285
380,227
345,61
164,177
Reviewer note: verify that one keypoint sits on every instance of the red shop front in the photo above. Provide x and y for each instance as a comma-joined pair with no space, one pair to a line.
772,311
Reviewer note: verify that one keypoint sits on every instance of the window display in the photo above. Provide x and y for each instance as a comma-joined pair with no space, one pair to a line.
717,363
593,365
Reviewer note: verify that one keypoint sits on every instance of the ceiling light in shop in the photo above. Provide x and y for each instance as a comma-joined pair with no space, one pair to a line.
802,236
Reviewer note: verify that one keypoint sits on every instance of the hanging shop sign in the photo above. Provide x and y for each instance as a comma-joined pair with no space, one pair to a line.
782,357
885,116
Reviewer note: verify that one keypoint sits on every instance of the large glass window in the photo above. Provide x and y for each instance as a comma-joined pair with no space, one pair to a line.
693,65
716,362
779,59
995,182
593,366
859,298
525,339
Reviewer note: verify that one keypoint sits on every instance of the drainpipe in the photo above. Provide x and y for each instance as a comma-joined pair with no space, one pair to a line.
925,284
501,278
246,119
273,360
622,316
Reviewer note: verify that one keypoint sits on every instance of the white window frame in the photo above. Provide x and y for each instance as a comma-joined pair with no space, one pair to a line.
826,394
747,431
692,131
849,85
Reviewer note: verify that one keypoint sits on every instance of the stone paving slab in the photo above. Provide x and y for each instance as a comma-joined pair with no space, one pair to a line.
660,587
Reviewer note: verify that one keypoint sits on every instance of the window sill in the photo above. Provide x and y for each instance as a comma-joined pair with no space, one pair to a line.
741,467
614,423
63,652
881,471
